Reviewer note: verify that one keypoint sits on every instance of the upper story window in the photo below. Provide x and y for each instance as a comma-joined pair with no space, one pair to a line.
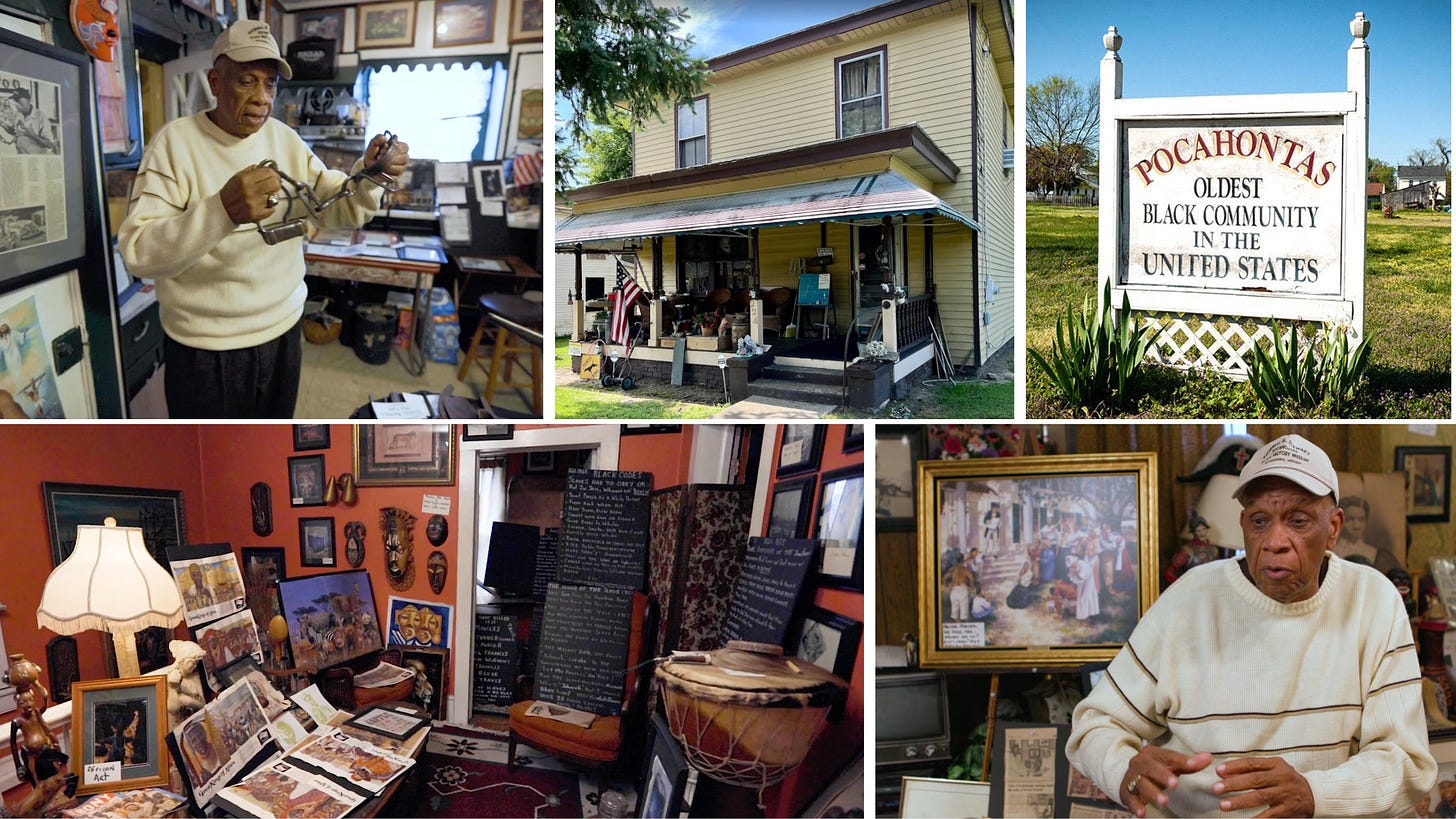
692,133
859,91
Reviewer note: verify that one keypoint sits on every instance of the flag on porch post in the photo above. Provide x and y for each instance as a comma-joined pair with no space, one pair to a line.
623,297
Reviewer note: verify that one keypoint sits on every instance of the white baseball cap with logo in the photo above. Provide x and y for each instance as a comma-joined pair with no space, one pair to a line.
249,40
1293,458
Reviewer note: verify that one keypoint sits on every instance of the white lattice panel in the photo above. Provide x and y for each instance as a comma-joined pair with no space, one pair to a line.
1204,341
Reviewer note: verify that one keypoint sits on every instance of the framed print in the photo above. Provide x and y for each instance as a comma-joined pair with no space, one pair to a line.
840,528
275,20
306,480
995,532
897,448
664,776
489,432
388,721
151,647
1029,769
310,436
527,20
157,512
464,22
489,183
117,734
316,541
799,448
540,461
428,666
1428,482
828,640
386,25
1376,518
404,454
1443,793
924,797
262,568
853,437
328,24
418,623
788,514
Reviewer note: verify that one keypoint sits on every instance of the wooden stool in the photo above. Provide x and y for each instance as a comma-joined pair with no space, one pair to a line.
517,331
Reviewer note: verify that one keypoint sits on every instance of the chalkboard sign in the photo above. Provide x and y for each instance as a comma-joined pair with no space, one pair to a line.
584,647
496,659
604,523
546,552
510,565
768,589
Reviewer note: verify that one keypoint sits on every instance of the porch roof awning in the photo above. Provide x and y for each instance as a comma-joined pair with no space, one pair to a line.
871,196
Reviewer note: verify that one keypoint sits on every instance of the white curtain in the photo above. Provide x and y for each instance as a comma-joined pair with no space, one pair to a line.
490,505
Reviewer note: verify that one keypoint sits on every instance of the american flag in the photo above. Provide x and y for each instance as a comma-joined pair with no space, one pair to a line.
626,293
526,169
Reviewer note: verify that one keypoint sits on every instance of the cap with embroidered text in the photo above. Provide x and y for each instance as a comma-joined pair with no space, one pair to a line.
1293,458
249,40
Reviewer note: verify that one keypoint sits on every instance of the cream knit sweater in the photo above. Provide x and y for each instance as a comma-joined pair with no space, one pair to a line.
221,287
1331,684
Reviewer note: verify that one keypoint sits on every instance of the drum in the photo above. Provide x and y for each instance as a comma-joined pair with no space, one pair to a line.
748,715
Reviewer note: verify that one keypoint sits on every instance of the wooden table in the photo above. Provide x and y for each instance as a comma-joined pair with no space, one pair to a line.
417,276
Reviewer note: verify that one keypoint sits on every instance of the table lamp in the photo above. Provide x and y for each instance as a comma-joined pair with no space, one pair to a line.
110,583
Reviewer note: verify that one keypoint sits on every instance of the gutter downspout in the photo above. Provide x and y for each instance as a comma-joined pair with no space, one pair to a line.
975,188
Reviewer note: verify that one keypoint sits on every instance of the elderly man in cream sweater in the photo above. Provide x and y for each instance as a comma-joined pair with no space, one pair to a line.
231,304
1283,683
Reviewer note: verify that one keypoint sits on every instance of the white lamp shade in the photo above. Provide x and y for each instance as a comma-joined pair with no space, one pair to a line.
109,583
1217,506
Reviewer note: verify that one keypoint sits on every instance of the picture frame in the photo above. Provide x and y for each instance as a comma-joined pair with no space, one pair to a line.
540,461
897,450
664,774
385,25
262,568
800,446
839,527
853,438
464,22
927,797
151,647
789,510
1443,750
209,580
388,721
1092,674
828,640
418,623
275,19
650,429
489,432
404,454
1113,494
102,711
310,436
316,545
159,513
527,20
1029,769
1427,483
430,666
329,25
306,480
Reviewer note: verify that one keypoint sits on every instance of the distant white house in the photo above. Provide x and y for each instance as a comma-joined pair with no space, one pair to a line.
1408,176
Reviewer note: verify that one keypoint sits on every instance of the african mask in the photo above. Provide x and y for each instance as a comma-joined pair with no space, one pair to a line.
437,529
354,542
398,527
437,567
94,23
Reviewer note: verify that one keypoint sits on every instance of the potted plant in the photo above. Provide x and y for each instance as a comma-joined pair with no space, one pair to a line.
707,323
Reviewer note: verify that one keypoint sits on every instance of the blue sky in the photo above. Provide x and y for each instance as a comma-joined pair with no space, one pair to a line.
1239,47
721,26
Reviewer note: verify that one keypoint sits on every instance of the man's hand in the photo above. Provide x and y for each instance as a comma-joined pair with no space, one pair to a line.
9,407
393,163
1264,780
247,195
1153,772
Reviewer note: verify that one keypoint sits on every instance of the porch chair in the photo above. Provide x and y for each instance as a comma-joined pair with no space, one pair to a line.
778,306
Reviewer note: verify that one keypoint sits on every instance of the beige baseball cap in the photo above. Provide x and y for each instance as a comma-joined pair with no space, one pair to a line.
248,40
1293,458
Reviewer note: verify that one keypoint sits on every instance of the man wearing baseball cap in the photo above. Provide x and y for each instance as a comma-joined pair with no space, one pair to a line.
231,304
1280,683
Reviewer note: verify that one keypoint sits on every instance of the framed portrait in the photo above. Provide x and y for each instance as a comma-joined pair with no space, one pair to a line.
328,24
385,25
1375,506
489,432
1443,793
419,623
840,528
316,542
306,480
925,797
310,436
527,20
828,640
1011,551
464,22
853,438
799,448
1427,482
404,454
543,461
428,665
897,448
664,776
1029,769
788,514
489,184
117,734
157,512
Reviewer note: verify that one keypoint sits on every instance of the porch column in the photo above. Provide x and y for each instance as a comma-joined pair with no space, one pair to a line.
578,309
887,231
888,322
657,265
654,318
755,316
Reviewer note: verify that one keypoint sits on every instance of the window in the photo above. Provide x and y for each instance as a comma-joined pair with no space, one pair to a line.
446,113
692,133
860,92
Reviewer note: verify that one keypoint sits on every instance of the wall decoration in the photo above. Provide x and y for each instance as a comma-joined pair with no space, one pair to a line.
398,529
1376,518
260,497
527,20
664,776
329,25
262,568
316,541
897,448
488,432
540,461
331,617
354,532
789,513
404,454
419,623
841,528
122,722
429,666
226,641
1028,590
828,640
437,529
151,647
25,367
464,22
386,25
157,512
310,436
800,448
64,664
306,481
437,567
853,437
1428,482
209,579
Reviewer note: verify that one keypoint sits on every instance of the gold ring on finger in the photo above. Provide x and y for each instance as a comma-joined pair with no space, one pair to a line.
1132,786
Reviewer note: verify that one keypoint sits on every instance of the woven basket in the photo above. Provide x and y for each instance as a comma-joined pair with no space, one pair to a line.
322,328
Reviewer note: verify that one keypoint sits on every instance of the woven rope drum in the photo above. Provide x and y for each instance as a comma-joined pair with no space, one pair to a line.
748,716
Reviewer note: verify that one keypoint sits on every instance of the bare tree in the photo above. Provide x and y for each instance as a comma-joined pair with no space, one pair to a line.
1061,123
1436,153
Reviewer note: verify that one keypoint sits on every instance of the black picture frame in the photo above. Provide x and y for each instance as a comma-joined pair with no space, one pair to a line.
664,774
829,640
800,447
1427,482
316,544
63,663
325,23
488,432
897,449
541,461
434,666
391,722
152,647
157,512
788,514
853,438
839,527
1092,674
1027,745
306,480
310,436
650,429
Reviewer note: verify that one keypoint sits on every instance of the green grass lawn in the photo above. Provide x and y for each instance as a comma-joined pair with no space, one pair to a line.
1407,317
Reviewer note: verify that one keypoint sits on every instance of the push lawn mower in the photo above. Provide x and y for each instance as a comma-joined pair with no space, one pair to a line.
621,367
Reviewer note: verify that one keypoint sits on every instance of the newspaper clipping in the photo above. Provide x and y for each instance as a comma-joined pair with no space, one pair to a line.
1031,772
33,197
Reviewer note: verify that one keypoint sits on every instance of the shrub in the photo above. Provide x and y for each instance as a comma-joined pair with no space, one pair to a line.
1096,361
1322,378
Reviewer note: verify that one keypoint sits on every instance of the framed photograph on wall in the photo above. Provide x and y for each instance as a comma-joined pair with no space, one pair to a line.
527,20
853,437
310,436
924,797
488,432
975,557
157,512
385,25
540,461
1427,482
828,640
800,447
464,22
788,514
840,528
897,449
316,542
429,666
404,454
306,480
120,725
664,776
329,25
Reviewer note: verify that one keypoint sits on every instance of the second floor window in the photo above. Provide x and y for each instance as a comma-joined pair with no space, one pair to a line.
861,94
692,133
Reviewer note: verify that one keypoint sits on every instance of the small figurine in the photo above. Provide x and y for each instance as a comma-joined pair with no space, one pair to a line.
184,683
912,651
1195,553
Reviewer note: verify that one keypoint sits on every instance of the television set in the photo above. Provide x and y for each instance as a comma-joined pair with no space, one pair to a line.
510,564
331,617
912,719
